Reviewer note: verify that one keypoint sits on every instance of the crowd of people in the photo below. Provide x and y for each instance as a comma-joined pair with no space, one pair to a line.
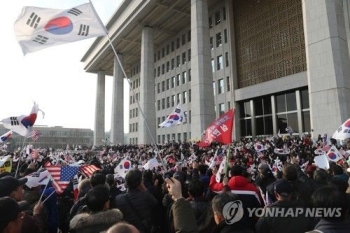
260,190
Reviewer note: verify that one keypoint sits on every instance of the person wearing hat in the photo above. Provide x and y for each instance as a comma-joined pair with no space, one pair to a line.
11,216
12,187
279,219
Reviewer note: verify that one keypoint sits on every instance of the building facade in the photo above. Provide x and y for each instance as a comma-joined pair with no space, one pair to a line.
55,137
278,63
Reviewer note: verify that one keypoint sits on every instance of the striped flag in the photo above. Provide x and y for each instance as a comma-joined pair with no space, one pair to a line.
87,170
61,176
35,135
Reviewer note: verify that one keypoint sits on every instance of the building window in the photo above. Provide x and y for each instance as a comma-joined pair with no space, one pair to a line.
212,65
214,88
224,13
172,63
178,61
173,82
163,86
183,39
158,71
210,22
228,87
219,65
189,95
167,66
163,52
228,105
225,36
218,39
217,18
211,43
163,103
167,49
188,36
178,98
189,75
168,102
189,117
172,46
173,99
167,84
158,88
184,58
158,105
221,86
221,109
226,59
158,55
184,77
163,68
184,97
177,43
189,55
178,79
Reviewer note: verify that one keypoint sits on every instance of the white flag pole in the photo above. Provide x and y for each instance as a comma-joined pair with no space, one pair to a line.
133,92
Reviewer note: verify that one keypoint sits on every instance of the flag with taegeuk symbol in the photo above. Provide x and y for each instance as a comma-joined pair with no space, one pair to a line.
61,176
39,28
5,136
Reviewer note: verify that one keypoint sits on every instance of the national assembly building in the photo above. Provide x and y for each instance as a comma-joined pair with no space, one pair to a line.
278,63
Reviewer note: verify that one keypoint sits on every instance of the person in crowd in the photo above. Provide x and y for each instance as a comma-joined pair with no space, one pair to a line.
265,177
302,191
100,217
12,187
200,172
247,192
320,179
201,206
273,219
113,189
338,173
123,227
184,220
137,203
221,214
97,178
11,217
336,202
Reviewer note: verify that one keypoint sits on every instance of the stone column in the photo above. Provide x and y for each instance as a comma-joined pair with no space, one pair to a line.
117,124
202,105
99,130
147,120
328,64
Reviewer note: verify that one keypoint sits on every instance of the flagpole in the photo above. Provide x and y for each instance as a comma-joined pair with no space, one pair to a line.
132,91
19,158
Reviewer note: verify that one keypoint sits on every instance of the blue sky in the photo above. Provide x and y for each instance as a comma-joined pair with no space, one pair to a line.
53,77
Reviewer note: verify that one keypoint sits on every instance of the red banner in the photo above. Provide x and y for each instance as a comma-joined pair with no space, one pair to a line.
220,130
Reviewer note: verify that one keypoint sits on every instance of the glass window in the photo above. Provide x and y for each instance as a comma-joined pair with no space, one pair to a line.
184,97
189,75
163,68
306,121
158,87
212,65
172,63
211,43
246,127
168,102
183,39
221,86
218,39
293,121
159,55
226,59
189,55
177,43
291,101
258,106
189,117
184,77
189,36
163,52
210,22
179,136
158,69
172,46
173,100
158,105
221,109
281,103
189,95
173,82
178,61
163,103
267,105
219,65
183,57
217,18
214,88
259,126
178,79
245,109
167,84
225,36
224,13
163,86
304,99
167,49
178,98
167,66
228,84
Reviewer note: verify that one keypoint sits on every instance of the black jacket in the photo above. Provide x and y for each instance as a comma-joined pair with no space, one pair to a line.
326,226
235,228
143,202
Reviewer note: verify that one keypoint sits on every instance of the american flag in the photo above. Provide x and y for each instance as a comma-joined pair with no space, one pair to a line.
87,170
61,176
35,135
